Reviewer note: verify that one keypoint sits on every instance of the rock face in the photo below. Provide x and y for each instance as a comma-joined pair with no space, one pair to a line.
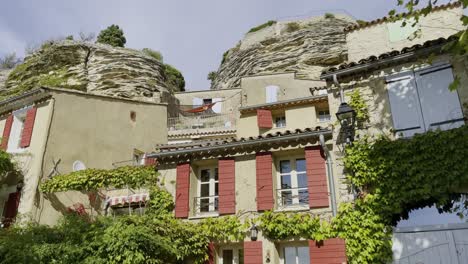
3,77
305,47
94,68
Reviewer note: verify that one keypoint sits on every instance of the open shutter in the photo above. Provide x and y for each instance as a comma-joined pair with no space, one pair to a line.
264,167
11,209
150,161
264,118
182,190
316,177
6,132
253,252
271,93
227,188
28,127
218,106
211,254
404,104
330,251
441,107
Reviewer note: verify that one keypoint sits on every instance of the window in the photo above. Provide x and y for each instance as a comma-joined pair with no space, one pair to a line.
292,183
78,165
280,121
134,209
17,129
271,93
232,255
207,200
296,255
207,101
421,101
324,115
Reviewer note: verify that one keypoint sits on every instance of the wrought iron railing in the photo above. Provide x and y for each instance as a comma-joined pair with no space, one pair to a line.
205,121
292,197
205,204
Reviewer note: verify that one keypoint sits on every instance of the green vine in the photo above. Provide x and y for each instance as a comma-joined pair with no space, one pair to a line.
359,105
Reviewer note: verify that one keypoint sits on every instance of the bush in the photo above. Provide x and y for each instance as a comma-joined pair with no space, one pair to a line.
262,26
292,26
174,78
154,54
113,36
329,15
9,61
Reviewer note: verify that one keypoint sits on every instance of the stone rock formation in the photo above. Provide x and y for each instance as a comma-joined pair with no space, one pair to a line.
94,68
3,77
305,47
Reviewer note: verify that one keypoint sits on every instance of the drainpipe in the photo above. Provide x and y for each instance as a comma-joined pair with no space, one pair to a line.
331,180
335,81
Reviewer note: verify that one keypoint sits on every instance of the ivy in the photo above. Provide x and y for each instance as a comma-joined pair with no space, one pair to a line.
359,105
6,164
94,179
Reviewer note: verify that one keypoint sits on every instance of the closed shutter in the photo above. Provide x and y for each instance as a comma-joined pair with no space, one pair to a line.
182,190
28,127
316,177
264,169
211,254
264,118
150,161
6,132
227,186
218,106
11,209
441,107
404,103
271,93
253,252
330,251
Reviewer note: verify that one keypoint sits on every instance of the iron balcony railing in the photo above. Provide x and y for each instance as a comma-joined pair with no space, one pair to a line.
205,204
202,122
292,197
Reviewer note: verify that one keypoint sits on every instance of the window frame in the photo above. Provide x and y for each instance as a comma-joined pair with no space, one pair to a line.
17,129
212,197
294,188
295,245
235,254
279,117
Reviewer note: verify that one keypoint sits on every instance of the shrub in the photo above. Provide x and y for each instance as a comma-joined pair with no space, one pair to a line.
113,36
329,15
262,26
292,26
9,61
174,78
153,53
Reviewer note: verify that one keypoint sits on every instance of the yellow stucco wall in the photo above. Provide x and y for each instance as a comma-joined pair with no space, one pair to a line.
375,39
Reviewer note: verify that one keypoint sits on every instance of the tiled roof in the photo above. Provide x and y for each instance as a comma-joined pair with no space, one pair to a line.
390,56
199,132
285,103
228,144
391,18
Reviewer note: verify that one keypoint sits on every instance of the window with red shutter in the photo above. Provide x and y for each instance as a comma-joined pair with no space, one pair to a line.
330,251
182,190
264,118
211,253
317,177
11,208
253,252
264,169
28,126
7,131
227,188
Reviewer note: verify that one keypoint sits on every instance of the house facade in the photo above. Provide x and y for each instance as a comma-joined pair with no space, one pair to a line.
51,131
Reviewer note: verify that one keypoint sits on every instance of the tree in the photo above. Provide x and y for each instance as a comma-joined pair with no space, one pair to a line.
87,37
9,61
174,78
113,36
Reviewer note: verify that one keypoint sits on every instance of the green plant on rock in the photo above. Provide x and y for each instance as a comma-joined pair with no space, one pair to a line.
262,26
174,78
292,26
112,35
154,54
329,15
359,105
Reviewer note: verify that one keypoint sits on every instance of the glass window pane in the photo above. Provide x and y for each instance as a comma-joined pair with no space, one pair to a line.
241,256
304,197
300,165
285,166
216,188
204,205
286,198
228,257
302,180
216,174
204,190
216,202
290,255
303,255
286,182
205,176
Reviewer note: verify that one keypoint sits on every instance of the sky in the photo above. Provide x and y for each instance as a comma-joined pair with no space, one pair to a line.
191,35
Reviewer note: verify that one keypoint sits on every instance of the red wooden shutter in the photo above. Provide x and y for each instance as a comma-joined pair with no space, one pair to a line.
211,254
330,251
11,208
253,252
28,127
150,161
182,190
6,132
227,186
317,177
264,118
264,169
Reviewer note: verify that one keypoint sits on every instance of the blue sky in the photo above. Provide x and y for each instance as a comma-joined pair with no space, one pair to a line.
192,35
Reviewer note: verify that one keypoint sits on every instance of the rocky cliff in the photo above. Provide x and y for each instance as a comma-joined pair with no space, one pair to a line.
94,68
305,47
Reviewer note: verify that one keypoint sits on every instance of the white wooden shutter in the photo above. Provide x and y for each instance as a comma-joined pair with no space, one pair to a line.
271,93
217,108
441,107
404,104
197,101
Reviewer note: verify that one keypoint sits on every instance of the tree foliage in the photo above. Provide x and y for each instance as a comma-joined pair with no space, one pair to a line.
112,35
154,54
174,78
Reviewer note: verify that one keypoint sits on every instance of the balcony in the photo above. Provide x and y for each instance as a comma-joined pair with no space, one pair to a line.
205,205
292,198
209,122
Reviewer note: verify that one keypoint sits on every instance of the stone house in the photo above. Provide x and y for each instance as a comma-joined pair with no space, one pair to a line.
51,131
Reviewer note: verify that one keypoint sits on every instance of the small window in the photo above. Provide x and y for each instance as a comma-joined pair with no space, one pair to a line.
134,209
78,165
324,115
207,200
17,129
207,101
231,255
280,121
296,255
271,93
292,183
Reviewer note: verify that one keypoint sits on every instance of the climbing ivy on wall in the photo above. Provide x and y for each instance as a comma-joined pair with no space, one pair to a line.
359,105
